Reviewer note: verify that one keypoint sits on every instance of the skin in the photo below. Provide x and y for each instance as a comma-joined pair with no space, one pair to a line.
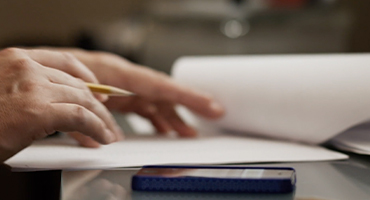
37,99
157,94
43,91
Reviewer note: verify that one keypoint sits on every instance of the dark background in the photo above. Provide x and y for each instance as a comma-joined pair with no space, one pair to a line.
156,32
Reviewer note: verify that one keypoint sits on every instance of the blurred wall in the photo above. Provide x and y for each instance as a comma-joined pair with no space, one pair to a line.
359,40
56,21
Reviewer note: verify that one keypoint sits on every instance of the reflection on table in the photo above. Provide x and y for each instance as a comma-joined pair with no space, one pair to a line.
340,180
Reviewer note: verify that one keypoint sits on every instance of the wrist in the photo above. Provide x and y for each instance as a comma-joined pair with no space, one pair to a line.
5,154
7,149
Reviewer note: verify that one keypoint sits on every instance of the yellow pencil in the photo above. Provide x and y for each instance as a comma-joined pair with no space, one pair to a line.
109,90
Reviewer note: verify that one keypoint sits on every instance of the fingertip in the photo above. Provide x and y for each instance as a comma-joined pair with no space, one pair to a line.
188,133
84,141
161,126
216,109
101,97
205,105
164,130
120,135
109,137
89,144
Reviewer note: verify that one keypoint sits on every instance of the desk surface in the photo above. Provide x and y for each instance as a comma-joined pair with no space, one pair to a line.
338,180
335,180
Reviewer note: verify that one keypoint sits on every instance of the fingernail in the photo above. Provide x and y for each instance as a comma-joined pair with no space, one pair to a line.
216,107
111,137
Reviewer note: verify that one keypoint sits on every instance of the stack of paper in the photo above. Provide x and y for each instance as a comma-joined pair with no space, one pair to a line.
64,153
307,98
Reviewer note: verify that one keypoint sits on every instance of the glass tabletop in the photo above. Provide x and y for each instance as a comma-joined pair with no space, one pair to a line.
339,180
334,180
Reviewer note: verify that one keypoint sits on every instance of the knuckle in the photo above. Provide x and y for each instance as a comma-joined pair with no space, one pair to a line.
87,94
81,84
22,65
28,86
101,126
89,104
77,68
69,59
88,99
68,56
80,115
11,51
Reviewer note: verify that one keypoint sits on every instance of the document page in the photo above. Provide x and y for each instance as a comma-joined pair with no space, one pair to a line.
306,98
64,153
356,139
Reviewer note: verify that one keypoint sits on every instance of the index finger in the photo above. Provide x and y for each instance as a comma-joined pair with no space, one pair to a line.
158,86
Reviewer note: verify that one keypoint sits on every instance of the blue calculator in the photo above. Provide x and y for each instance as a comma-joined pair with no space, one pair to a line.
231,179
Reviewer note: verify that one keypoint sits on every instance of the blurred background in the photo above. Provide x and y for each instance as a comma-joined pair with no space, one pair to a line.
156,32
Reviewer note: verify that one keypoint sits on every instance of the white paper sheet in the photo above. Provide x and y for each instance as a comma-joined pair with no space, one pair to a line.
308,98
59,153
355,140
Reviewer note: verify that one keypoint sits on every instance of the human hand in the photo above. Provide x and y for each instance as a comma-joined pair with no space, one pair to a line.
37,99
157,94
